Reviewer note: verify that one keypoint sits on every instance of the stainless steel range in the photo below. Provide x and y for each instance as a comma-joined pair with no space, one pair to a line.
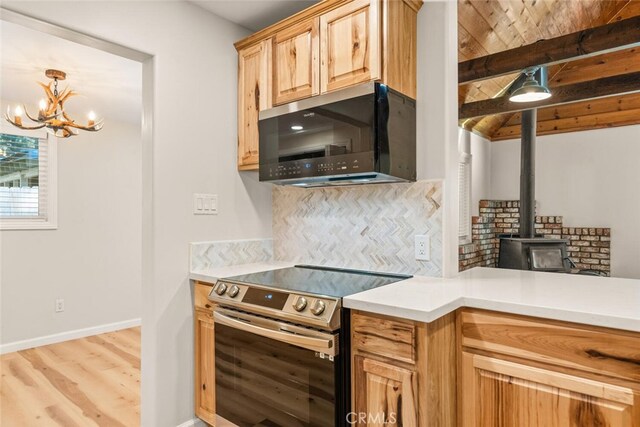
282,345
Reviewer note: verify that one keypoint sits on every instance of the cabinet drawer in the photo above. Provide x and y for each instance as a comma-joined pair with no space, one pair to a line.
384,336
590,349
201,292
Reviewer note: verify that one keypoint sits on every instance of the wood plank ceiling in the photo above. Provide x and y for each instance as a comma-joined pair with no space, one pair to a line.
490,26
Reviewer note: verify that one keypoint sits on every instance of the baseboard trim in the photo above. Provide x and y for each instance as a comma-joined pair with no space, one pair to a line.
66,336
195,422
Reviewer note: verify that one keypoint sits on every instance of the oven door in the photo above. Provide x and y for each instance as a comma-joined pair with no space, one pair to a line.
271,373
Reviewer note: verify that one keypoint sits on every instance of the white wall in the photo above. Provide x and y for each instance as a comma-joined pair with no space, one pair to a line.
430,149
437,113
92,259
194,150
480,170
591,178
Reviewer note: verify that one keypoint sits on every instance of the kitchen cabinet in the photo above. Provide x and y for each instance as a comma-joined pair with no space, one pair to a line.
204,354
331,45
254,95
524,372
349,47
295,62
403,372
386,393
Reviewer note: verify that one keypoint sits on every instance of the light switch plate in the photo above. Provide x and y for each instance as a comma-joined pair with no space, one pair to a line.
205,204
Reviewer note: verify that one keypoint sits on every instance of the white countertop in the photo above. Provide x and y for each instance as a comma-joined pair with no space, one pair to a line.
211,275
598,301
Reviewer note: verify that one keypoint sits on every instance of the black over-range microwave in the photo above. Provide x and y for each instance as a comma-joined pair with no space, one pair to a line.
363,134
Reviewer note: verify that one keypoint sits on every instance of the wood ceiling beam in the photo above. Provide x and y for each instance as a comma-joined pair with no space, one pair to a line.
593,41
607,86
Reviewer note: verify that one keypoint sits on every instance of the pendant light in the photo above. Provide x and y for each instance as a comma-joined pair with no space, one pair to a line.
532,90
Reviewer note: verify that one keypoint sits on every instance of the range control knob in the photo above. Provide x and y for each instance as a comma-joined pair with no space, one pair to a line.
233,291
318,307
300,304
221,288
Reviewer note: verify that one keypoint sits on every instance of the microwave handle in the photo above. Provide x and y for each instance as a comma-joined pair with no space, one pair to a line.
321,345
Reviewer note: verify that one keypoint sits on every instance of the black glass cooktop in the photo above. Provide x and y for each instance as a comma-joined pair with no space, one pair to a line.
331,282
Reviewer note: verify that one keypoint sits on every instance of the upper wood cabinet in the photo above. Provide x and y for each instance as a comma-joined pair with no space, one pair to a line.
331,45
349,47
254,95
295,62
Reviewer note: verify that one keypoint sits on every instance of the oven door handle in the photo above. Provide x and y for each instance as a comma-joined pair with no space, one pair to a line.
326,345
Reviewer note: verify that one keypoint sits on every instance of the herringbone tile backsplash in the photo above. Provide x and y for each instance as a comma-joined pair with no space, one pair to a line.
369,227
222,253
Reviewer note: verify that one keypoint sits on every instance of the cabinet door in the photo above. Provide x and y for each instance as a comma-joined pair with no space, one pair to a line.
350,45
295,62
253,96
496,392
385,395
205,366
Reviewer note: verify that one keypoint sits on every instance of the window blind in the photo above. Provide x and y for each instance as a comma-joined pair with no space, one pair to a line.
24,177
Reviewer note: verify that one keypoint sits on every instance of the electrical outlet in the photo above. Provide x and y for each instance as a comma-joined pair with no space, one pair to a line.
423,247
59,305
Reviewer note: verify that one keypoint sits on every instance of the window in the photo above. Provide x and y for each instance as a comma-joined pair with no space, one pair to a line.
464,188
27,181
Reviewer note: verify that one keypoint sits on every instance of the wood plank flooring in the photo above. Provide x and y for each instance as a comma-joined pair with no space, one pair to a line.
93,381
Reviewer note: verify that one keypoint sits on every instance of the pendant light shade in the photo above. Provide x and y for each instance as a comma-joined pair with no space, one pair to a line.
532,90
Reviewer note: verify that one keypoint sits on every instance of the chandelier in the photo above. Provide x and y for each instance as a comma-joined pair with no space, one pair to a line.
51,114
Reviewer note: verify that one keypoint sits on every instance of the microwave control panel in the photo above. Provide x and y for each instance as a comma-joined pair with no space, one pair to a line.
320,166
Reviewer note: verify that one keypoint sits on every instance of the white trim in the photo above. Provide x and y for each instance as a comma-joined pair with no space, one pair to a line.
450,221
67,336
6,14
195,422
150,351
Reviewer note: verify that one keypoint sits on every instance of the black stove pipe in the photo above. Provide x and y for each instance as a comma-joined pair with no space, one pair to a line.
528,174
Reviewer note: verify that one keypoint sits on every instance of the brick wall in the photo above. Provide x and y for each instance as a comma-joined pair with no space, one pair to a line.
589,247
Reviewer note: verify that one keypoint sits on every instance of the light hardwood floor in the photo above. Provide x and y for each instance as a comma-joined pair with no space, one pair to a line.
93,381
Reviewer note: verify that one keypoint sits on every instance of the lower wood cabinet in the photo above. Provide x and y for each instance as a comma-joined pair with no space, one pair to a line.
497,392
386,394
527,372
204,353
403,372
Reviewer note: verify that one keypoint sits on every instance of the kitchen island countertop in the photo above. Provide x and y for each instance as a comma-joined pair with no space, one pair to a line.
597,301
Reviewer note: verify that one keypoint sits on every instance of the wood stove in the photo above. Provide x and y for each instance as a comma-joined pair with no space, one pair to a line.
538,253
528,251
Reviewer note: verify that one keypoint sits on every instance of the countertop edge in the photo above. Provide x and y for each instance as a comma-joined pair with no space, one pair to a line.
406,313
549,313
427,316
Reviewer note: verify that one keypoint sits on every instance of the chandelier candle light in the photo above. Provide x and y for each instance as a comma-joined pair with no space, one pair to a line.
51,114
